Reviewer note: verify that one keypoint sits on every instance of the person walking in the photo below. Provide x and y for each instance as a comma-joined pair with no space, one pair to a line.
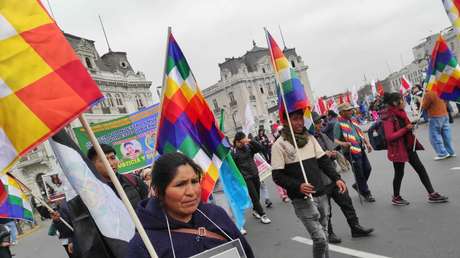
308,199
400,141
342,199
439,127
352,140
243,155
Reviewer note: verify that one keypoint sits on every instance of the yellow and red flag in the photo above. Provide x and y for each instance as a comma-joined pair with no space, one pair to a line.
43,85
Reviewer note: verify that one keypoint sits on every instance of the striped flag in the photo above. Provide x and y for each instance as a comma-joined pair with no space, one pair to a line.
443,73
106,209
187,125
39,76
15,203
292,88
405,86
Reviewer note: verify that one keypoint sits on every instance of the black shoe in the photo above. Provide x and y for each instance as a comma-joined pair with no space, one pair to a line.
359,231
334,239
369,198
268,203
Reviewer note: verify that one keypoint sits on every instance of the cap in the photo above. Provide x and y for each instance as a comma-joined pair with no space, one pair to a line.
344,107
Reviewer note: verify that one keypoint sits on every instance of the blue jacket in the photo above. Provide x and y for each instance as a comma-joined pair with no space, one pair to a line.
153,219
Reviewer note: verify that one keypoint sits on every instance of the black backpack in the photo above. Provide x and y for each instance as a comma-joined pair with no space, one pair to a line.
376,135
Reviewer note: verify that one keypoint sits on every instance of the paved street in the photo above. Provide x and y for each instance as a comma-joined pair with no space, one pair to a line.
419,230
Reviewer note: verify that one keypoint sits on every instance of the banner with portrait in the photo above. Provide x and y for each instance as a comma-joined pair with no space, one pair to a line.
132,136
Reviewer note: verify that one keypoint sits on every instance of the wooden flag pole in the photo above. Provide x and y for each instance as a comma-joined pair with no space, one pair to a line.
22,185
118,187
286,112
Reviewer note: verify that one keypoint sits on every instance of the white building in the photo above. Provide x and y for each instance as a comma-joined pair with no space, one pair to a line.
126,91
250,78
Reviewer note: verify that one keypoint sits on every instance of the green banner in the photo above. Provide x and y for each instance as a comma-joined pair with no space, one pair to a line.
132,136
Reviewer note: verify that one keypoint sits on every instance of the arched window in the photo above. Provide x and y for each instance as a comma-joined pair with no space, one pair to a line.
88,63
118,99
110,100
139,102
293,63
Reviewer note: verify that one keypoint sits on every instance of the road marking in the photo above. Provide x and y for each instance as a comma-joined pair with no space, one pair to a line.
455,168
339,249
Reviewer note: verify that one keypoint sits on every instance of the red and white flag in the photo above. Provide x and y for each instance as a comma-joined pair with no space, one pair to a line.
405,85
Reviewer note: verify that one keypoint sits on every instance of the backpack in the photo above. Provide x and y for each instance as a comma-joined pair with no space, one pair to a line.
376,134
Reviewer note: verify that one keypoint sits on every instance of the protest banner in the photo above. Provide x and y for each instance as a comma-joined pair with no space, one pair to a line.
265,170
132,136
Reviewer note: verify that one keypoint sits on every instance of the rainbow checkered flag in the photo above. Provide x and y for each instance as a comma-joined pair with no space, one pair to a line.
443,73
16,205
187,125
43,85
291,86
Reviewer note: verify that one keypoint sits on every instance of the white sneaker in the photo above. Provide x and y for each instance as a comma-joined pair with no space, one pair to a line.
243,232
453,155
256,215
265,220
441,157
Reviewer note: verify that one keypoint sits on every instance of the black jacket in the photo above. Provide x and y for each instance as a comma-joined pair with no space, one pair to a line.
134,187
244,159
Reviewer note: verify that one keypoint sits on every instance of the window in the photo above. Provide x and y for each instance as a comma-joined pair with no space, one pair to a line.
110,100
263,70
231,96
293,63
118,100
216,106
88,63
262,90
139,102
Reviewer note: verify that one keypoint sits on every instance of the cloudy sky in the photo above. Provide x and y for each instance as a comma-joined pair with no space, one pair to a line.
340,40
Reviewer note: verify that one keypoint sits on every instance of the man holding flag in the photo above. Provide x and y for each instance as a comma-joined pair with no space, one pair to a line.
297,158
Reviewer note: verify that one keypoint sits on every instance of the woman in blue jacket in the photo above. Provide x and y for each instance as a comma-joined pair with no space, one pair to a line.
176,222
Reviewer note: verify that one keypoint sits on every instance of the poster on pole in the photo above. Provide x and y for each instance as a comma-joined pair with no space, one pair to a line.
265,170
54,187
132,136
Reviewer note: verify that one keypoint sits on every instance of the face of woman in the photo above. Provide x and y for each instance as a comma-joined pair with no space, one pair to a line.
182,195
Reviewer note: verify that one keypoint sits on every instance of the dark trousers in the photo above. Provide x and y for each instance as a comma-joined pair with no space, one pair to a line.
345,204
362,170
415,162
253,185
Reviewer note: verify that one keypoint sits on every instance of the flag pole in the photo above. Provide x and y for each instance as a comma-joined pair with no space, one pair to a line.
22,185
162,91
118,187
286,111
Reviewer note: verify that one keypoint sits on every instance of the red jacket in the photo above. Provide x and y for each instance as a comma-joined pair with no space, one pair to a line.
399,138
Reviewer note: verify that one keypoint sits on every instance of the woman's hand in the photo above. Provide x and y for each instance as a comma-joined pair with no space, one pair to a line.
341,185
409,126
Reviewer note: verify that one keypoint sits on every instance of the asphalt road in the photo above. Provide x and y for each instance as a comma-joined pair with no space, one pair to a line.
420,230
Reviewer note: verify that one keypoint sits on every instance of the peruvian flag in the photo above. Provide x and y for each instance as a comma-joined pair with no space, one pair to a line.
348,98
332,105
320,106
380,89
340,99
405,86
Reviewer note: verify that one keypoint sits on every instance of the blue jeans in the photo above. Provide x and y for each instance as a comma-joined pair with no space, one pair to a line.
313,214
440,136
13,230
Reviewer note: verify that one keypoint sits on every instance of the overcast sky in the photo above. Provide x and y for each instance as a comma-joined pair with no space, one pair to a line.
340,40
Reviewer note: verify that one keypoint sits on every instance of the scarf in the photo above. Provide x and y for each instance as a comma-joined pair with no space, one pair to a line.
347,133
300,138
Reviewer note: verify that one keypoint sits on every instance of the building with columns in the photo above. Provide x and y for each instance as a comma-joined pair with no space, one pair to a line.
125,91
250,78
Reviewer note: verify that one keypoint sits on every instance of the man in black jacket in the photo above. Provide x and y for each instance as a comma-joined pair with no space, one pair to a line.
342,199
287,173
134,187
243,155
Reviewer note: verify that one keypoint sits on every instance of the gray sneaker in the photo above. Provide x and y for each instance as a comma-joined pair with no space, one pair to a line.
265,220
